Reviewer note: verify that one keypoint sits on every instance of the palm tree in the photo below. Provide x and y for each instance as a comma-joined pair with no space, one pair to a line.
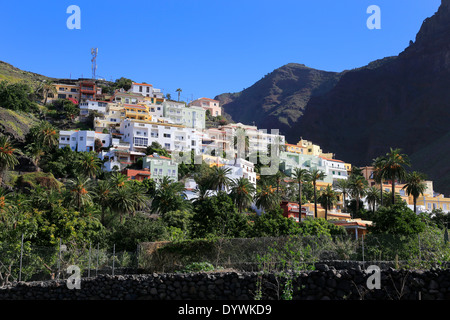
79,191
378,174
242,191
7,156
89,164
265,197
344,186
358,186
327,199
46,134
299,176
415,186
394,168
219,178
179,92
35,150
241,143
46,87
169,196
372,197
102,196
314,176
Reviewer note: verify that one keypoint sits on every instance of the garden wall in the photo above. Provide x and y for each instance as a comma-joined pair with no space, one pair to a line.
324,283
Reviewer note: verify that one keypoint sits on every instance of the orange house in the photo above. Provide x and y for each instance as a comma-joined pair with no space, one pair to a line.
139,175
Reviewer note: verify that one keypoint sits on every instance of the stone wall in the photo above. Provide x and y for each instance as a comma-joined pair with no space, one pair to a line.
324,283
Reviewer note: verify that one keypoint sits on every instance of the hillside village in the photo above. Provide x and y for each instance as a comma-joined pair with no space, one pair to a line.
126,123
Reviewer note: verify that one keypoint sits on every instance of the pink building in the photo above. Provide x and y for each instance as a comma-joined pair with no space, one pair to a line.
208,104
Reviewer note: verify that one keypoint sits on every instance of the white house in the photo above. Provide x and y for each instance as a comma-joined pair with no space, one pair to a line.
83,140
92,105
172,137
334,169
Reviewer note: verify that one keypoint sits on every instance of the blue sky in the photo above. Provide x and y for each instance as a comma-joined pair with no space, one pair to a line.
204,47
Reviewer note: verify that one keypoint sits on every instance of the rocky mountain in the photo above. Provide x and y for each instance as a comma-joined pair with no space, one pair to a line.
278,99
401,101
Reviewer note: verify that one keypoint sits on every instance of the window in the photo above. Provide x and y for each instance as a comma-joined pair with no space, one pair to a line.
140,88
167,145
166,135
81,138
141,142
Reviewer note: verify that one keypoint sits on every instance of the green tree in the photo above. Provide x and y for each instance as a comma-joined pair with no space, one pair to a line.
394,168
273,224
343,185
327,199
396,219
8,158
89,164
123,83
217,216
300,176
358,186
179,92
169,196
319,227
242,191
137,229
219,178
266,198
16,96
314,176
45,134
372,197
415,186
79,192
379,174
35,151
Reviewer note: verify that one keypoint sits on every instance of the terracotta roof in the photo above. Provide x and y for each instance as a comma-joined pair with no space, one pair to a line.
331,159
143,84
160,157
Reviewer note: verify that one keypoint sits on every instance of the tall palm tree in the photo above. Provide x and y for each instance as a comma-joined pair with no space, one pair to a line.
372,197
80,191
344,186
219,178
179,92
378,174
242,191
8,158
358,186
266,198
327,199
102,196
314,176
299,176
89,164
394,168
415,186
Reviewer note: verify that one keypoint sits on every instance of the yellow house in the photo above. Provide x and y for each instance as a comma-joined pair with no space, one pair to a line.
137,112
307,147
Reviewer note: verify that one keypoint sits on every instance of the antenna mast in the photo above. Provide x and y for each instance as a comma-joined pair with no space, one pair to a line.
94,52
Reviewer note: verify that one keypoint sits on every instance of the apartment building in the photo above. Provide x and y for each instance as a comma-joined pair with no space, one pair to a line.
83,140
89,106
172,137
192,117
213,106
150,94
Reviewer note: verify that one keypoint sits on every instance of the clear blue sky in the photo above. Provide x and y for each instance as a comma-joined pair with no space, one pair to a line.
205,47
